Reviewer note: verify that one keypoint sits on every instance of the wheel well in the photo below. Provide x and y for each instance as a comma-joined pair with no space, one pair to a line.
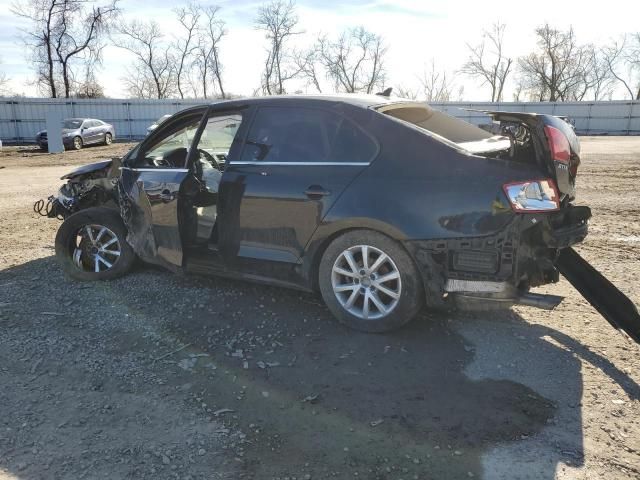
315,264
317,257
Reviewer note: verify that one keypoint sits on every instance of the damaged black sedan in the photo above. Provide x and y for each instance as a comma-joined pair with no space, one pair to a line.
383,205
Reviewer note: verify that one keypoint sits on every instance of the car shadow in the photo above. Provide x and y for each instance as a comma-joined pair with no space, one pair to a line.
449,396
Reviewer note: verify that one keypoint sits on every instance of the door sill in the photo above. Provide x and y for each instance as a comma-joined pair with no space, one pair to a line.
209,263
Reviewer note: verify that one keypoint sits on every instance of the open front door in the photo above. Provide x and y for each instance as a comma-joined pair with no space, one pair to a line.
150,189
152,218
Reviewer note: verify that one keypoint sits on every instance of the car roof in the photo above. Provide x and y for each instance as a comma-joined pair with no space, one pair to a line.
355,99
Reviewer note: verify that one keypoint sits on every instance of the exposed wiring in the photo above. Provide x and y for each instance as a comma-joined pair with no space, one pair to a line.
48,208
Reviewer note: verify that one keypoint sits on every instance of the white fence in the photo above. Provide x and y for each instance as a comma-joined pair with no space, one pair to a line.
22,118
590,118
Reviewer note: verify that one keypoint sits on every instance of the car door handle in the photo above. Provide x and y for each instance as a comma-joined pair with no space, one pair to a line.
316,191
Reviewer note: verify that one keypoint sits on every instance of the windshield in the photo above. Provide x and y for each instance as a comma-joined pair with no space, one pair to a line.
179,139
72,124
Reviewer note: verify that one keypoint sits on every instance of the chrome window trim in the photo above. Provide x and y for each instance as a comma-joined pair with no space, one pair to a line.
182,170
324,164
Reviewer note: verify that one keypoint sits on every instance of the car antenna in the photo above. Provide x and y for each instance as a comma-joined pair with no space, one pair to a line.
386,92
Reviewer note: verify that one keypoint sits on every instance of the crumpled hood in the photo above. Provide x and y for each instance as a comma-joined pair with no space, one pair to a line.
92,167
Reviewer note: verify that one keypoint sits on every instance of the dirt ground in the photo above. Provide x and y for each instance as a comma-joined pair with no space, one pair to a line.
160,376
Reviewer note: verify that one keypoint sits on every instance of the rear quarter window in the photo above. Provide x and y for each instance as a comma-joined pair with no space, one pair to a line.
306,135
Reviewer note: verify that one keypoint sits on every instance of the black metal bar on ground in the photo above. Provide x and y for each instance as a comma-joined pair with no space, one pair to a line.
603,295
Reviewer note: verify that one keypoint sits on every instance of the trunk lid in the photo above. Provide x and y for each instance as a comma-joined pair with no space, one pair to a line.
556,145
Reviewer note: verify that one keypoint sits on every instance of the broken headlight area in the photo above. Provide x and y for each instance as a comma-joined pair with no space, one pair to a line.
75,195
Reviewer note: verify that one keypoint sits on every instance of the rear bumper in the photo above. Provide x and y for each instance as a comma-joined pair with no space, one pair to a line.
498,270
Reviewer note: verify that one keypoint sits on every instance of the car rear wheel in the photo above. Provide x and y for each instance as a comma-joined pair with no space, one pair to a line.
108,139
369,282
91,245
77,143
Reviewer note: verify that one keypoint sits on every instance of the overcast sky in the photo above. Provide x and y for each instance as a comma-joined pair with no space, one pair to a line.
415,32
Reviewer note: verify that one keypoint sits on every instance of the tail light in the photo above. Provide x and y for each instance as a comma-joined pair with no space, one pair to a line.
533,196
558,145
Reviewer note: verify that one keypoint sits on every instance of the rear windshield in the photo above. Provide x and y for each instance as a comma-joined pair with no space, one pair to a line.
429,133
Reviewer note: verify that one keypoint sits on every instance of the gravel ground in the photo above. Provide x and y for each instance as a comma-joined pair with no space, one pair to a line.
161,376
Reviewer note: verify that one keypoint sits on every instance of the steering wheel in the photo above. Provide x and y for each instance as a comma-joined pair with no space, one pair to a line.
160,162
210,158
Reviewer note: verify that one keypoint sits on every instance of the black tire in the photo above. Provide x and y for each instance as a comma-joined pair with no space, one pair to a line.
108,139
411,294
66,243
77,143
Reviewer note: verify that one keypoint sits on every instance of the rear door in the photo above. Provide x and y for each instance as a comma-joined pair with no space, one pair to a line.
294,164
91,132
100,129
85,132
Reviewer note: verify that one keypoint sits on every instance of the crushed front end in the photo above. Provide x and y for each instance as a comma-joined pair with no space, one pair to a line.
87,186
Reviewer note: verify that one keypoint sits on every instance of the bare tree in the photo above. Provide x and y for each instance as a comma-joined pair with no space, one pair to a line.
64,35
279,22
633,60
188,18
89,86
207,53
406,92
139,84
79,36
622,58
599,78
4,80
437,86
355,61
154,73
488,62
559,69
38,39
308,66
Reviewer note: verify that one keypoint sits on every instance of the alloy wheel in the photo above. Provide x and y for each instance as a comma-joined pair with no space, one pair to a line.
366,282
77,143
96,248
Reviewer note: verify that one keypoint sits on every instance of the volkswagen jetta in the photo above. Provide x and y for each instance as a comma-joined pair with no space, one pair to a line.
383,205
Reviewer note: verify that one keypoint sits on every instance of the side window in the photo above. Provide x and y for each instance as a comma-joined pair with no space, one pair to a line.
351,144
170,151
219,134
286,135
87,124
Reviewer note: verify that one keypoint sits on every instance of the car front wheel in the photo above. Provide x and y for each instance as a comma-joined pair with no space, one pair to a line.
369,282
91,245
77,143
